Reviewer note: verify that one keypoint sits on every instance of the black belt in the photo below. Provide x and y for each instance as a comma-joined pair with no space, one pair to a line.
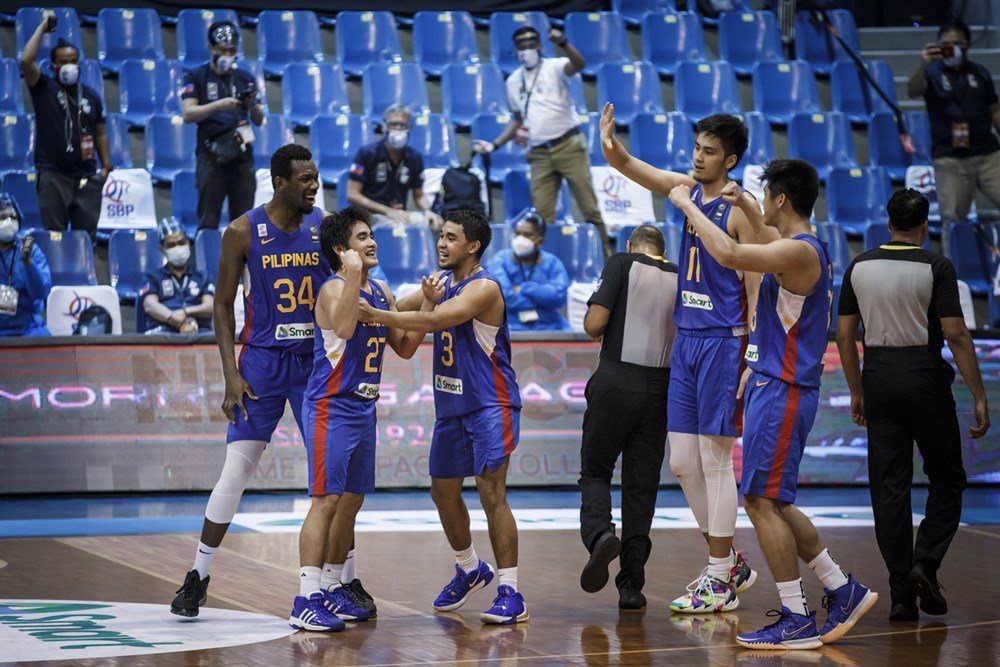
552,143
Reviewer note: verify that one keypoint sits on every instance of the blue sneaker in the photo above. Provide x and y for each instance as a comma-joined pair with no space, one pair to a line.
458,590
342,605
790,631
845,607
308,613
508,608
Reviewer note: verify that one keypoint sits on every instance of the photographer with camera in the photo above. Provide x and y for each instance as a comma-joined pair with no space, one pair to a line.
222,99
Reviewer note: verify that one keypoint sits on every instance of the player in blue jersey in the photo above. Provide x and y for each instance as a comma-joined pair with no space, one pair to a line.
478,408
788,338
703,414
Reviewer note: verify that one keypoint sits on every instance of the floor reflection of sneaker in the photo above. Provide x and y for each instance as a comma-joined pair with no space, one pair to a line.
340,603
508,608
309,613
790,631
462,586
845,607
707,595
192,594
742,574
706,628
362,598
780,658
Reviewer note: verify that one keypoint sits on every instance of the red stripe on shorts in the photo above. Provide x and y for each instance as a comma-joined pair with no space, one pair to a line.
784,440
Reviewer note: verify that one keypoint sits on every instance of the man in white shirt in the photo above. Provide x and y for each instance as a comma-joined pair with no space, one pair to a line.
545,121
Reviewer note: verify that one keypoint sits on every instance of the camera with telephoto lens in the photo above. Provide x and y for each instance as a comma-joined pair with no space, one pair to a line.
947,49
248,97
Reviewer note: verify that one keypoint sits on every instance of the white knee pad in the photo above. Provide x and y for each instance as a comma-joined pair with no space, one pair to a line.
241,461
720,484
685,463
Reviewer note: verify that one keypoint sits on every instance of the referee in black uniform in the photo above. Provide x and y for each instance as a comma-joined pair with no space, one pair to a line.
632,311
907,300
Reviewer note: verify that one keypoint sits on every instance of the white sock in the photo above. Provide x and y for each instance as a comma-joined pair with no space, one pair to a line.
331,576
203,558
719,567
309,580
348,575
732,557
467,559
828,571
793,596
508,577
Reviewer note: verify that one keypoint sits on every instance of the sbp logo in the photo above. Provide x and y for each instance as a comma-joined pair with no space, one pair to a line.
115,193
614,187
78,305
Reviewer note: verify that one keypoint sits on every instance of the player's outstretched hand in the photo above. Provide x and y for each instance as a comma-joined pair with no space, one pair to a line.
236,389
982,414
350,260
608,125
743,379
680,195
432,288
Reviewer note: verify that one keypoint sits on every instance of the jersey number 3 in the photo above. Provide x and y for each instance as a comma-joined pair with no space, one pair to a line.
289,299
447,355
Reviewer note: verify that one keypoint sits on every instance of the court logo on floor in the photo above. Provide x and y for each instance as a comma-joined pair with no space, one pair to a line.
35,630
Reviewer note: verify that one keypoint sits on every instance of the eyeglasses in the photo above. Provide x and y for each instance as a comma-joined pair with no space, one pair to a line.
397,124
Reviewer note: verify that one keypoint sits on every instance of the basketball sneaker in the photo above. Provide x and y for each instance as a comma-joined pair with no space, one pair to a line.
844,607
707,595
308,613
362,598
742,574
790,631
462,586
192,594
508,608
340,604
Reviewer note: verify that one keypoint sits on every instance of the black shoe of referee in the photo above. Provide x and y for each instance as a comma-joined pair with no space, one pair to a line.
361,598
191,595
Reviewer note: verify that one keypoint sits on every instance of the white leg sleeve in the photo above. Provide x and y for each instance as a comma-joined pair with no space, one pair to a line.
720,484
685,463
241,460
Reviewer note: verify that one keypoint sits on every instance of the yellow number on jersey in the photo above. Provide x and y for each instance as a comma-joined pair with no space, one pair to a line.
373,343
694,265
447,356
305,294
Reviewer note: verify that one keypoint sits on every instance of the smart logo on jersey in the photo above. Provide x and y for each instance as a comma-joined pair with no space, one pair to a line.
294,331
448,385
366,390
695,300
752,354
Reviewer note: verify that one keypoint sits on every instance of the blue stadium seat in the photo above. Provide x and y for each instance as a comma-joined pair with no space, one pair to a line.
703,89
853,95
974,263
739,5
822,139
433,136
67,27
815,45
502,27
664,140
885,149
577,94
131,253
488,127
127,33
272,134
90,75
342,189
170,146
761,148
668,39
469,90
334,140
599,36
625,231
207,248
21,186
633,11
148,87
837,245
118,141
256,70
70,255
397,83
184,201
192,34
579,248
517,196
877,234
781,89
442,38
406,254
632,87
672,235
11,97
503,234
285,37
856,197
364,38
311,89
17,143
590,125
747,38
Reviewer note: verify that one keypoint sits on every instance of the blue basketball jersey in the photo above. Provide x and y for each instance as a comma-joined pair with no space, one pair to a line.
350,367
472,367
788,332
709,295
281,279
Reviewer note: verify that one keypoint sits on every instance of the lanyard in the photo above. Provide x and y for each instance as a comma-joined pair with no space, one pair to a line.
520,268
527,100
10,267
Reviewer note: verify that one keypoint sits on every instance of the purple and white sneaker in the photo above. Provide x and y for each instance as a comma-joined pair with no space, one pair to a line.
845,607
789,632
462,586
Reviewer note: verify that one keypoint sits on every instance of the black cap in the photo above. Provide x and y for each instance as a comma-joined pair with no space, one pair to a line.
223,32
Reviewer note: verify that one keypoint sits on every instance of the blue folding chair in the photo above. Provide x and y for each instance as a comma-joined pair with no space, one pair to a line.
192,34
502,235
406,254
118,141
256,70
311,89
334,141
127,33
625,231
17,143
974,263
272,134
131,254
470,90
502,27
11,97
748,38
664,140
781,89
633,88
669,38
91,74
148,87
852,93
822,139
364,38
633,11
207,249
577,94
885,148
184,201
67,28
590,125
838,247
70,255
487,127
397,83
704,89
814,43
761,148
170,146
342,181
433,136
285,37
443,38
599,36
517,197
21,186
856,197
579,248
672,235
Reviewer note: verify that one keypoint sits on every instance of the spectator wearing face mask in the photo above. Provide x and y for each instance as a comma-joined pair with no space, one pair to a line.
25,279
222,99
534,282
176,299
69,136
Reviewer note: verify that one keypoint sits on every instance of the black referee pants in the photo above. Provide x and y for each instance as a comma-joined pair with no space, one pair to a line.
235,181
626,416
909,400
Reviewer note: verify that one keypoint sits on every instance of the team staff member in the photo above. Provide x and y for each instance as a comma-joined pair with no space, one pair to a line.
632,312
25,279
907,299
176,298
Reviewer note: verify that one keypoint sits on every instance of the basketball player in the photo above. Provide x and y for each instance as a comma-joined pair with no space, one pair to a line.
788,338
339,415
711,317
478,408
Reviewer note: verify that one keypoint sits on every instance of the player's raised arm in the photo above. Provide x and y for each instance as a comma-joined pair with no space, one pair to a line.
405,343
643,173
233,257
477,298
337,305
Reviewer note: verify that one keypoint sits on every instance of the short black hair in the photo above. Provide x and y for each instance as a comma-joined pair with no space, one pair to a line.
524,30
648,235
281,160
907,209
797,180
535,220
62,44
475,226
956,24
729,130
335,232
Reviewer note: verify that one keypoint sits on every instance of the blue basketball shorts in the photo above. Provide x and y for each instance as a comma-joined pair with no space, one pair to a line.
704,375
340,436
276,377
466,445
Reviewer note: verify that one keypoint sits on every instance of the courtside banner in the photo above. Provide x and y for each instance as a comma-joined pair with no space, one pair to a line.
127,201
621,200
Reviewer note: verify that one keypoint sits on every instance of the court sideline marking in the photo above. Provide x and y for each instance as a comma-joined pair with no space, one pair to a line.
995,536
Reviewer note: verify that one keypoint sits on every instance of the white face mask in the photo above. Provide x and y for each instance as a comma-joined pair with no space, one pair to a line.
956,58
68,74
224,63
178,255
522,246
8,229
529,58
398,138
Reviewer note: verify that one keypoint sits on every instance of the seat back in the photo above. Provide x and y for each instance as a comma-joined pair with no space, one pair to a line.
468,90
207,249
192,34
590,125
632,87
310,89
284,37
579,248
70,256
406,254
383,85
147,87
334,141
66,303
67,28
837,245
127,33
131,254
973,262
669,38
703,89
487,127
275,132
885,148
852,93
17,143
11,97
747,38
625,231
781,89
517,196
170,146
822,139
502,235
814,43
184,201
21,186
761,148
117,131
502,27
856,197
442,38
364,38
599,36
433,136
633,11
664,140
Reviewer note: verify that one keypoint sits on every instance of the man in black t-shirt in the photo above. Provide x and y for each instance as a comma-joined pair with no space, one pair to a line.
222,99
69,136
